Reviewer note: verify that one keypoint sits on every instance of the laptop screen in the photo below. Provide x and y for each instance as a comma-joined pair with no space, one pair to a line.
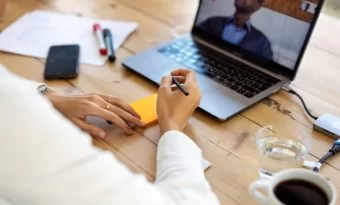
271,30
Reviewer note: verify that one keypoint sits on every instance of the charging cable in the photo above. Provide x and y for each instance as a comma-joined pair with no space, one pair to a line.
289,90
333,151
336,146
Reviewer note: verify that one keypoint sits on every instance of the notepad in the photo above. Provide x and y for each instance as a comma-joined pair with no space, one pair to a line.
146,108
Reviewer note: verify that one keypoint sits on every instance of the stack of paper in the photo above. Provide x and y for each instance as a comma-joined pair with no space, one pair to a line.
35,32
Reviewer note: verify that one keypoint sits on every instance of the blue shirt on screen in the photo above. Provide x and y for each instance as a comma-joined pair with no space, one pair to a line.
234,34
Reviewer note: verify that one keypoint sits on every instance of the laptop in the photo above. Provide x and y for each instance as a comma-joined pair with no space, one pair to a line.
242,51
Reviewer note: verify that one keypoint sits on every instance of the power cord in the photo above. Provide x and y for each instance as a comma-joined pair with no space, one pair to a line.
289,90
333,151
336,146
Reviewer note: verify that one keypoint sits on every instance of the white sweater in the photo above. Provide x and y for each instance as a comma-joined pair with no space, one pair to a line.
46,160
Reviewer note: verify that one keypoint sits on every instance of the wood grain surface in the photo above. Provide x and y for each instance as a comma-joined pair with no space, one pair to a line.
229,146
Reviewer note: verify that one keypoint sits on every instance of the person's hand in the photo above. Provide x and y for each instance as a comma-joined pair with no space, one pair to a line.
174,108
78,107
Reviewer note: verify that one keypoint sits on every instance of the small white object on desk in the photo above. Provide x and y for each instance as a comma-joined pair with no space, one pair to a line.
205,164
35,32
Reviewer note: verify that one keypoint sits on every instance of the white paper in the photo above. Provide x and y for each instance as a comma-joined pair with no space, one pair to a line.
205,164
35,32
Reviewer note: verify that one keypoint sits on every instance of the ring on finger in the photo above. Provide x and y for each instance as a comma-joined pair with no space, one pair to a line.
108,105
110,96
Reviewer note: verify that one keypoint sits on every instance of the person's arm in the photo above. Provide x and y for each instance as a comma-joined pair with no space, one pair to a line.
179,171
179,168
214,25
266,49
47,160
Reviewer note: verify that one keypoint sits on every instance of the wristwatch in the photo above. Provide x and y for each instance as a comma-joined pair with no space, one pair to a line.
43,89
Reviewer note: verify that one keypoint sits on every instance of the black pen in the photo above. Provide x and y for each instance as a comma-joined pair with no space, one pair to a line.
109,44
180,87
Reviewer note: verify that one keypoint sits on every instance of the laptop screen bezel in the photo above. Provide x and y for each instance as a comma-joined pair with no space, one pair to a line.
251,57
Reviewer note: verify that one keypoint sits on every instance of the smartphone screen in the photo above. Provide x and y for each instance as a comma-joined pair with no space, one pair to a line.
62,62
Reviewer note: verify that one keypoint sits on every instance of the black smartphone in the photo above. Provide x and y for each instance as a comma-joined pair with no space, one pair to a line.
62,62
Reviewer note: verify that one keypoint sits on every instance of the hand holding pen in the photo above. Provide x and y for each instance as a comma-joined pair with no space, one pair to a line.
174,107
180,86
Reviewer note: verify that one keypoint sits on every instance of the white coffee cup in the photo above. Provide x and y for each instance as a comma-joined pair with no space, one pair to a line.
290,174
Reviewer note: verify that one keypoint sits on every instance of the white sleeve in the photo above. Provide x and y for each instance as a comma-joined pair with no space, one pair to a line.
179,171
45,159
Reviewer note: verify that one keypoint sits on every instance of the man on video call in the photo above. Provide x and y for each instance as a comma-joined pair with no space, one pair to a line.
238,30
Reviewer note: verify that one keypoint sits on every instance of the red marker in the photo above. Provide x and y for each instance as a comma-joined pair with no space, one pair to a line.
99,33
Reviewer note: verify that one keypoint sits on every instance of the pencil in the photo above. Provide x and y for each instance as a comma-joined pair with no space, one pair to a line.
179,86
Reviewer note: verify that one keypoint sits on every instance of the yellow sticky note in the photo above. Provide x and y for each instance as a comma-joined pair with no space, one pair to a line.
146,108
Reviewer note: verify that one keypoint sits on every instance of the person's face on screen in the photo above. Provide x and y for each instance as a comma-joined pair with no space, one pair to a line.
2,9
247,6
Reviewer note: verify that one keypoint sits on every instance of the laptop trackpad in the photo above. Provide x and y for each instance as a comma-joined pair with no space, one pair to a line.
218,99
156,76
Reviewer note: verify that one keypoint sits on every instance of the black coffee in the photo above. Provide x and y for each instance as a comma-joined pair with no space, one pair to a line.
300,192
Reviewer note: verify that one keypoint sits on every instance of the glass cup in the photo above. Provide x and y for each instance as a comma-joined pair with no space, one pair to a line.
281,147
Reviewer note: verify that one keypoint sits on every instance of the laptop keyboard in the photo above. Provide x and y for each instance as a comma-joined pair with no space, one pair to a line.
235,75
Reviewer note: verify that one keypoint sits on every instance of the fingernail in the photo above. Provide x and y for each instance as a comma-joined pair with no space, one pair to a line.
101,135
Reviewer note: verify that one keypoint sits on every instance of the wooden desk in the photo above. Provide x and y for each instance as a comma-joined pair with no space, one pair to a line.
230,146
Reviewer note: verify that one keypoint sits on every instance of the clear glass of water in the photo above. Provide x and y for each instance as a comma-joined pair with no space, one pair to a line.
281,147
